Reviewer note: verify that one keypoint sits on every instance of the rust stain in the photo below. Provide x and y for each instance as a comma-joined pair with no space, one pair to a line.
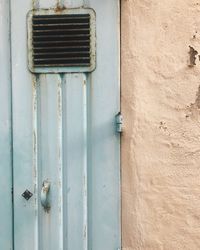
47,210
59,101
60,115
60,7
34,100
84,81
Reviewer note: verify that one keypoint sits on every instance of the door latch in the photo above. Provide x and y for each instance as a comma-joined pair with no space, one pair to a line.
119,122
44,195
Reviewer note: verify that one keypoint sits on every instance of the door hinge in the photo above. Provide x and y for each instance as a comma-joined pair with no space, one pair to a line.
119,122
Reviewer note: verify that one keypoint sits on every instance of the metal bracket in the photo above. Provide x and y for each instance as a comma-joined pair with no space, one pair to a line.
119,122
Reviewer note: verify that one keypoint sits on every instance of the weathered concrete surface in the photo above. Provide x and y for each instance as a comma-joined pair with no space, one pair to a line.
161,140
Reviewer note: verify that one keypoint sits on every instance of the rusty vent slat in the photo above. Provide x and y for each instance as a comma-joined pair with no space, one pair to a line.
61,40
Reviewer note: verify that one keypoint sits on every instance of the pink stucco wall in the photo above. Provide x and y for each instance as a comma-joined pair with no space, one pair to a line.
161,139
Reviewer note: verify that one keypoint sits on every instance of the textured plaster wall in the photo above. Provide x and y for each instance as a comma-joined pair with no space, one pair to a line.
161,139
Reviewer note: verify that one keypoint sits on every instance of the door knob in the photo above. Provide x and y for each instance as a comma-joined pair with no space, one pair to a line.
44,195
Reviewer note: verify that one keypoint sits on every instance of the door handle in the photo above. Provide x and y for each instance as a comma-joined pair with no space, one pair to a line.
44,195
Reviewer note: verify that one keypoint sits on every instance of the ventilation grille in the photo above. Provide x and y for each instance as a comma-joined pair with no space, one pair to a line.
61,40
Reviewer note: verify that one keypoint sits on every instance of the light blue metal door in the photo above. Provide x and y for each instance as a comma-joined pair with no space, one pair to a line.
66,150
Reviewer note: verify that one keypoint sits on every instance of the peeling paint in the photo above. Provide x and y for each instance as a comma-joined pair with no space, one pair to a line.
35,127
35,4
197,101
193,110
193,53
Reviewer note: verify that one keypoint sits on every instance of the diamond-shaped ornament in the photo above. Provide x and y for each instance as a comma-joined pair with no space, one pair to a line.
27,194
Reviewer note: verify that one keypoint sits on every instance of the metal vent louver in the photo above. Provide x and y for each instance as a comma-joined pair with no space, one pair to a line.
63,42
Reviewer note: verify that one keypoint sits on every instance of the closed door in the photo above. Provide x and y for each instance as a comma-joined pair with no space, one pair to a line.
59,146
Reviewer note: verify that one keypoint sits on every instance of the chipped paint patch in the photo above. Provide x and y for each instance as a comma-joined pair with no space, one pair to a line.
60,6
193,53
35,4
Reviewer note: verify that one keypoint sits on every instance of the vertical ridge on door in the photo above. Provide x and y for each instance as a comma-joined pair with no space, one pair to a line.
85,165
35,113
50,155
51,220
75,161
61,153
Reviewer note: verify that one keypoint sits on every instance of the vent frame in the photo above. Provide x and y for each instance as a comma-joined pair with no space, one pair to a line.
62,69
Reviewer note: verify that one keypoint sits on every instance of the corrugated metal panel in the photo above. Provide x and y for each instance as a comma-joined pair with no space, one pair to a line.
64,132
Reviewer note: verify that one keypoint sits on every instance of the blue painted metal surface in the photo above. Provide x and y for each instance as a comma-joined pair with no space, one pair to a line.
5,130
64,131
